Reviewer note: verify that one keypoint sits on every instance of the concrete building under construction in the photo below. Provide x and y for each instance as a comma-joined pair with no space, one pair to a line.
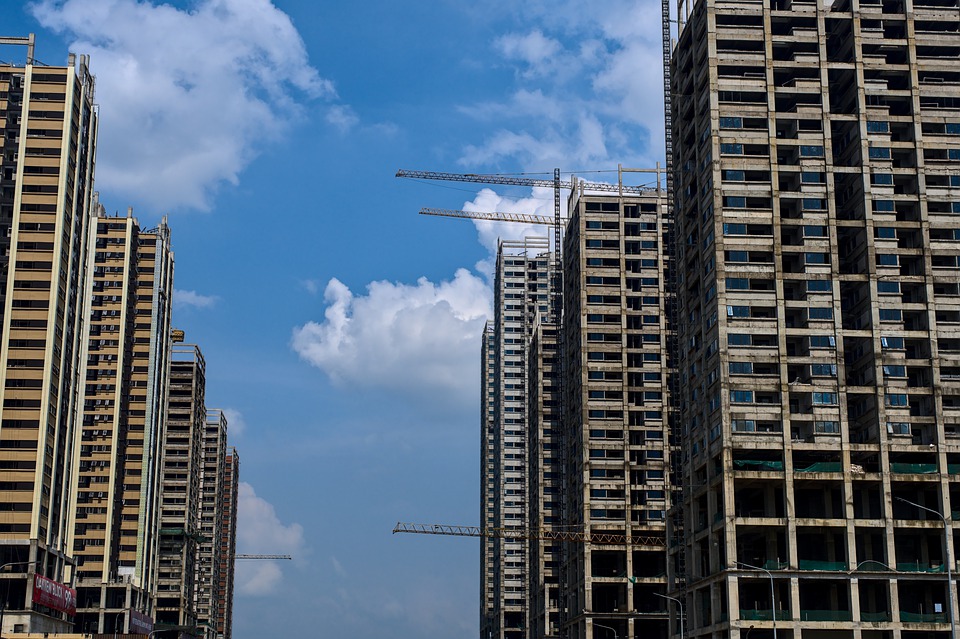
817,188
616,415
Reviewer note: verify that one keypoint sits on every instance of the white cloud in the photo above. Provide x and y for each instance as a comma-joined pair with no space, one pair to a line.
259,530
186,96
192,299
342,117
236,424
534,49
588,92
423,339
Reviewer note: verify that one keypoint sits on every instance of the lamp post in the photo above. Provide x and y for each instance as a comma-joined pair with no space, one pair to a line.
613,630
946,554
3,604
773,594
680,604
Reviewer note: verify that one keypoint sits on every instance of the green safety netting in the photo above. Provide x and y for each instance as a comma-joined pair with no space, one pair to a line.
813,564
917,566
821,467
874,616
825,615
763,615
914,469
919,617
756,464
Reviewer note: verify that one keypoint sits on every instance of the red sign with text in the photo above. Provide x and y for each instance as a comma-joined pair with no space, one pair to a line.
53,594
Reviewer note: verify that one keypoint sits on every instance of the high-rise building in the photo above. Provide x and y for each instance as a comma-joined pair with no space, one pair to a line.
180,488
522,290
49,127
210,560
488,465
817,173
228,543
114,498
545,467
616,415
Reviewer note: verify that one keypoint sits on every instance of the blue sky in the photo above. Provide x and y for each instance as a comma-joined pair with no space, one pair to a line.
341,330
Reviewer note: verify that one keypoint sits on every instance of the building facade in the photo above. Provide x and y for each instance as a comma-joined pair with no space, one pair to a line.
616,415
228,543
114,495
49,127
182,457
210,561
522,290
488,466
817,172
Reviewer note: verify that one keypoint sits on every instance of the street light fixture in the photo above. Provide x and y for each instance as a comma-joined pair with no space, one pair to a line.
613,630
946,554
3,604
679,603
773,595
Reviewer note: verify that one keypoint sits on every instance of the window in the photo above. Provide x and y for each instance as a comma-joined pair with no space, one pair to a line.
826,427
897,400
890,315
732,175
894,371
735,202
882,179
816,258
879,153
734,229
874,126
738,283
731,149
743,425
741,368
813,177
885,232
741,397
738,311
738,339
887,259
888,287
823,341
811,151
815,231
820,313
892,343
883,206
819,286
823,370
824,399
731,123
813,204
737,256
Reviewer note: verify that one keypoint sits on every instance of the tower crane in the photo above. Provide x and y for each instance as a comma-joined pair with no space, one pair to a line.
262,557
581,537
496,216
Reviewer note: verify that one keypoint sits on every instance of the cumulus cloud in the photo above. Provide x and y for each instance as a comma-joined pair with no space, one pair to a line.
534,49
236,424
192,299
420,338
187,96
259,530
588,93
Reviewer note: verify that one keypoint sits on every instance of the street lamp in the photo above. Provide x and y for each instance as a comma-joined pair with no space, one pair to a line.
613,630
679,603
946,554
3,604
773,594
